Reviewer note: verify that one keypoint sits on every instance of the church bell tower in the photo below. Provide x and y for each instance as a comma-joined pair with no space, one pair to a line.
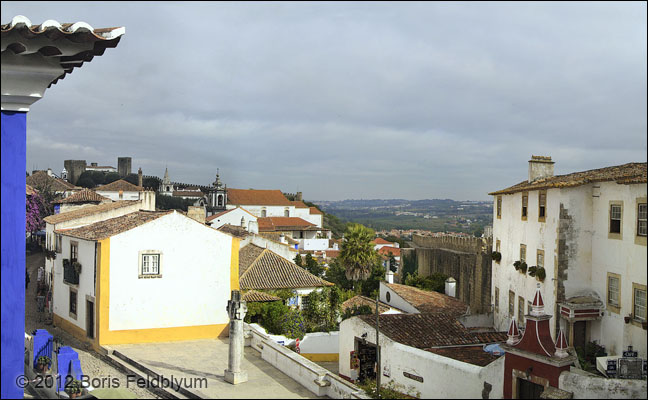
217,195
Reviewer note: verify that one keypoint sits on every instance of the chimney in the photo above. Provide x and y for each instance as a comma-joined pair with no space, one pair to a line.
450,287
253,226
140,179
282,238
197,213
49,172
389,276
540,167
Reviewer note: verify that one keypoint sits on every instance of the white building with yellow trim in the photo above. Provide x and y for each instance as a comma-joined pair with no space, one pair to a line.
147,276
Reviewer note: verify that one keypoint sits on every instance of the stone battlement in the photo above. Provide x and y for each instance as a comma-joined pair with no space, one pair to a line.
456,243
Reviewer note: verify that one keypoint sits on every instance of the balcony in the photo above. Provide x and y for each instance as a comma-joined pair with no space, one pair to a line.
70,273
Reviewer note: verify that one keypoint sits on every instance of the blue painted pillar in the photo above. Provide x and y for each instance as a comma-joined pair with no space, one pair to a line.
12,218
68,364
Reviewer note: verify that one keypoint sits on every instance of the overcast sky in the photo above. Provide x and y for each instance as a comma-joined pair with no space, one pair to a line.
349,100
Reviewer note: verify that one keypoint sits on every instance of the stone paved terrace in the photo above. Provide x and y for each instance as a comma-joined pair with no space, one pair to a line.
208,358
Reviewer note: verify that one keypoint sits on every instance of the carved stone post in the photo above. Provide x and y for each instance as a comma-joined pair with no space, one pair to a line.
236,310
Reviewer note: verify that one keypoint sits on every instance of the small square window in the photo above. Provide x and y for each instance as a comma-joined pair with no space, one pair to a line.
150,264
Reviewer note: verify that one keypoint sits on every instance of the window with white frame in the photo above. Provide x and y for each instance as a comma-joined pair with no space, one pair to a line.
614,288
639,302
641,219
615,218
150,264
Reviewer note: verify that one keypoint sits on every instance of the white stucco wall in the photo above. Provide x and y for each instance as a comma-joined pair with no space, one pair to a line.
195,283
86,286
443,377
597,387
233,218
271,211
313,244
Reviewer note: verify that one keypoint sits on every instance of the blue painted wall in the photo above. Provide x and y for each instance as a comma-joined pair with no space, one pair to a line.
12,218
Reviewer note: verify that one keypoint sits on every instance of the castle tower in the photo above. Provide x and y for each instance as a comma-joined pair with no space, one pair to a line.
124,166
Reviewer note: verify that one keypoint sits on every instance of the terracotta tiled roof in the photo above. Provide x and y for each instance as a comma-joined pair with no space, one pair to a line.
623,174
88,210
40,179
298,204
257,197
385,250
381,241
430,330
428,301
253,295
119,185
83,196
269,224
274,236
113,226
332,253
233,230
315,211
247,255
62,43
271,271
358,301
187,193
474,355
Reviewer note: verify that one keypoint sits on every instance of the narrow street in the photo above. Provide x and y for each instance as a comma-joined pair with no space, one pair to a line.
92,366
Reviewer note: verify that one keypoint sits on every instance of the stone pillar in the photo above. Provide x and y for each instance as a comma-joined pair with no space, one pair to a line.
236,308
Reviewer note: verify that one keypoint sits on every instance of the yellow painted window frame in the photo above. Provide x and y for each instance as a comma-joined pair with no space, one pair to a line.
640,240
498,207
523,252
635,320
538,254
540,193
616,236
525,195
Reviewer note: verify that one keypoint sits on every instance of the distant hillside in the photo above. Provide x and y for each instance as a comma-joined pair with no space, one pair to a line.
330,221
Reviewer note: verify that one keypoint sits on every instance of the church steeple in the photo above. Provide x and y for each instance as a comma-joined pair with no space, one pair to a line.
217,194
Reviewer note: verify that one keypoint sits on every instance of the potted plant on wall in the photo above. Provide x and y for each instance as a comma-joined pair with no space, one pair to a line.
74,388
516,265
42,363
523,267
497,256
627,318
540,274
77,267
533,270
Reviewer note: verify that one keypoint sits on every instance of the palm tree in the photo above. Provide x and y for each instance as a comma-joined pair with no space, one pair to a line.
357,253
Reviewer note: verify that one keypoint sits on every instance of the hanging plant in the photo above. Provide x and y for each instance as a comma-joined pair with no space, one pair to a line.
541,274
77,267
497,256
523,267
50,254
517,265
533,270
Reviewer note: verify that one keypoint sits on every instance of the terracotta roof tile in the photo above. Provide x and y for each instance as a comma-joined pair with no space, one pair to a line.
253,295
119,185
474,355
257,197
284,224
40,179
299,204
430,330
275,237
271,271
212,217
233,230
88,210
247,255
623,174
385,250
315,211
381,241
84,196
428,301
113,226
357,301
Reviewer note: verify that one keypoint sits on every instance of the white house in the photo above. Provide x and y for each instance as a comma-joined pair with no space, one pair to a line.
84,216
236,216
82,198
121,190
309,236
587,231
429,354
146,276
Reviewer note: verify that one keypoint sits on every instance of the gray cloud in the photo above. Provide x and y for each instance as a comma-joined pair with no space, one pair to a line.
350,100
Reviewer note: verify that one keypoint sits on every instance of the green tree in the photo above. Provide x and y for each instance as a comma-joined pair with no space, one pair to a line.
312,265
85,180
409,264
132,178
152,183
357,254
169,203
370,286
298,260
111,177
434,282
98,177
337,274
